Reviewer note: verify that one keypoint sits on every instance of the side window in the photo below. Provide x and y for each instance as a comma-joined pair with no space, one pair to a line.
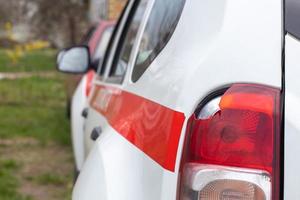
113,37
127,41
159,29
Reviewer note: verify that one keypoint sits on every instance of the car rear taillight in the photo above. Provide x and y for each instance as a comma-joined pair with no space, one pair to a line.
232,149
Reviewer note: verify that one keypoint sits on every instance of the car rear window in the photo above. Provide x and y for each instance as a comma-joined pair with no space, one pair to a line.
292,17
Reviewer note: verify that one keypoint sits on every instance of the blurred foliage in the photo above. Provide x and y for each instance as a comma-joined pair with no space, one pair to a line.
9,183
8,30
36,60
61,23
18,51
34,107
50,179
67,17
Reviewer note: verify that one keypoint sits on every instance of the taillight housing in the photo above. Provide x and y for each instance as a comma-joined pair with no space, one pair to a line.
232,148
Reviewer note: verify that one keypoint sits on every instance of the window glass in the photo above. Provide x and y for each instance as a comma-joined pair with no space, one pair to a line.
292,17
113,37
127,40
160,27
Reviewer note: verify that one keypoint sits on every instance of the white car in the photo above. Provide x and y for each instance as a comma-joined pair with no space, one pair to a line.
199,101
97,46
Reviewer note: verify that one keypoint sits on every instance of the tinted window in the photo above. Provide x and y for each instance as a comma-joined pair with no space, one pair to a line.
159,29
127,40
111,42
292,17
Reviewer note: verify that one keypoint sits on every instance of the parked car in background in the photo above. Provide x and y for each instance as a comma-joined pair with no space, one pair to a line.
198,101
92,39
72,81
97,44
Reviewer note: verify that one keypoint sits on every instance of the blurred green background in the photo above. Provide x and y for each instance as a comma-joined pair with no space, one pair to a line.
36,159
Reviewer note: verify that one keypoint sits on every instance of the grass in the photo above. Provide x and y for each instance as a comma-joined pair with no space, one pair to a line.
50,179
41,60
8,182
32,107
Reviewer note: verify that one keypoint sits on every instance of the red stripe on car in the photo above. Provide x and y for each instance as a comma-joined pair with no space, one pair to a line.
151,127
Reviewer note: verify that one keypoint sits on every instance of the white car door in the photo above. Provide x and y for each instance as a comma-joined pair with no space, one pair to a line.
115,68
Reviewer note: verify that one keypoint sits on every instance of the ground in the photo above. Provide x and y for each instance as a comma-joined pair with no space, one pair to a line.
35,151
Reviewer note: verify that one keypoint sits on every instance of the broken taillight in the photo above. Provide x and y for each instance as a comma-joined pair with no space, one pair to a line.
232,149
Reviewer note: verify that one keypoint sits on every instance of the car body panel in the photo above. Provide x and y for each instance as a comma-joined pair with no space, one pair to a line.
116,178
292,119
77,121
199,58
153,128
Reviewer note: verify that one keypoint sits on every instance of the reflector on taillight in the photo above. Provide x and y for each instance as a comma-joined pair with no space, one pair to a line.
232,149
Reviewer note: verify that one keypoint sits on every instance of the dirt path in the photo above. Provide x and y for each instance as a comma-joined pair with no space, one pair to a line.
44,172
16,75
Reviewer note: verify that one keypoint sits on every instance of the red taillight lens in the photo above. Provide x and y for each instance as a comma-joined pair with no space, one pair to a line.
243,132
